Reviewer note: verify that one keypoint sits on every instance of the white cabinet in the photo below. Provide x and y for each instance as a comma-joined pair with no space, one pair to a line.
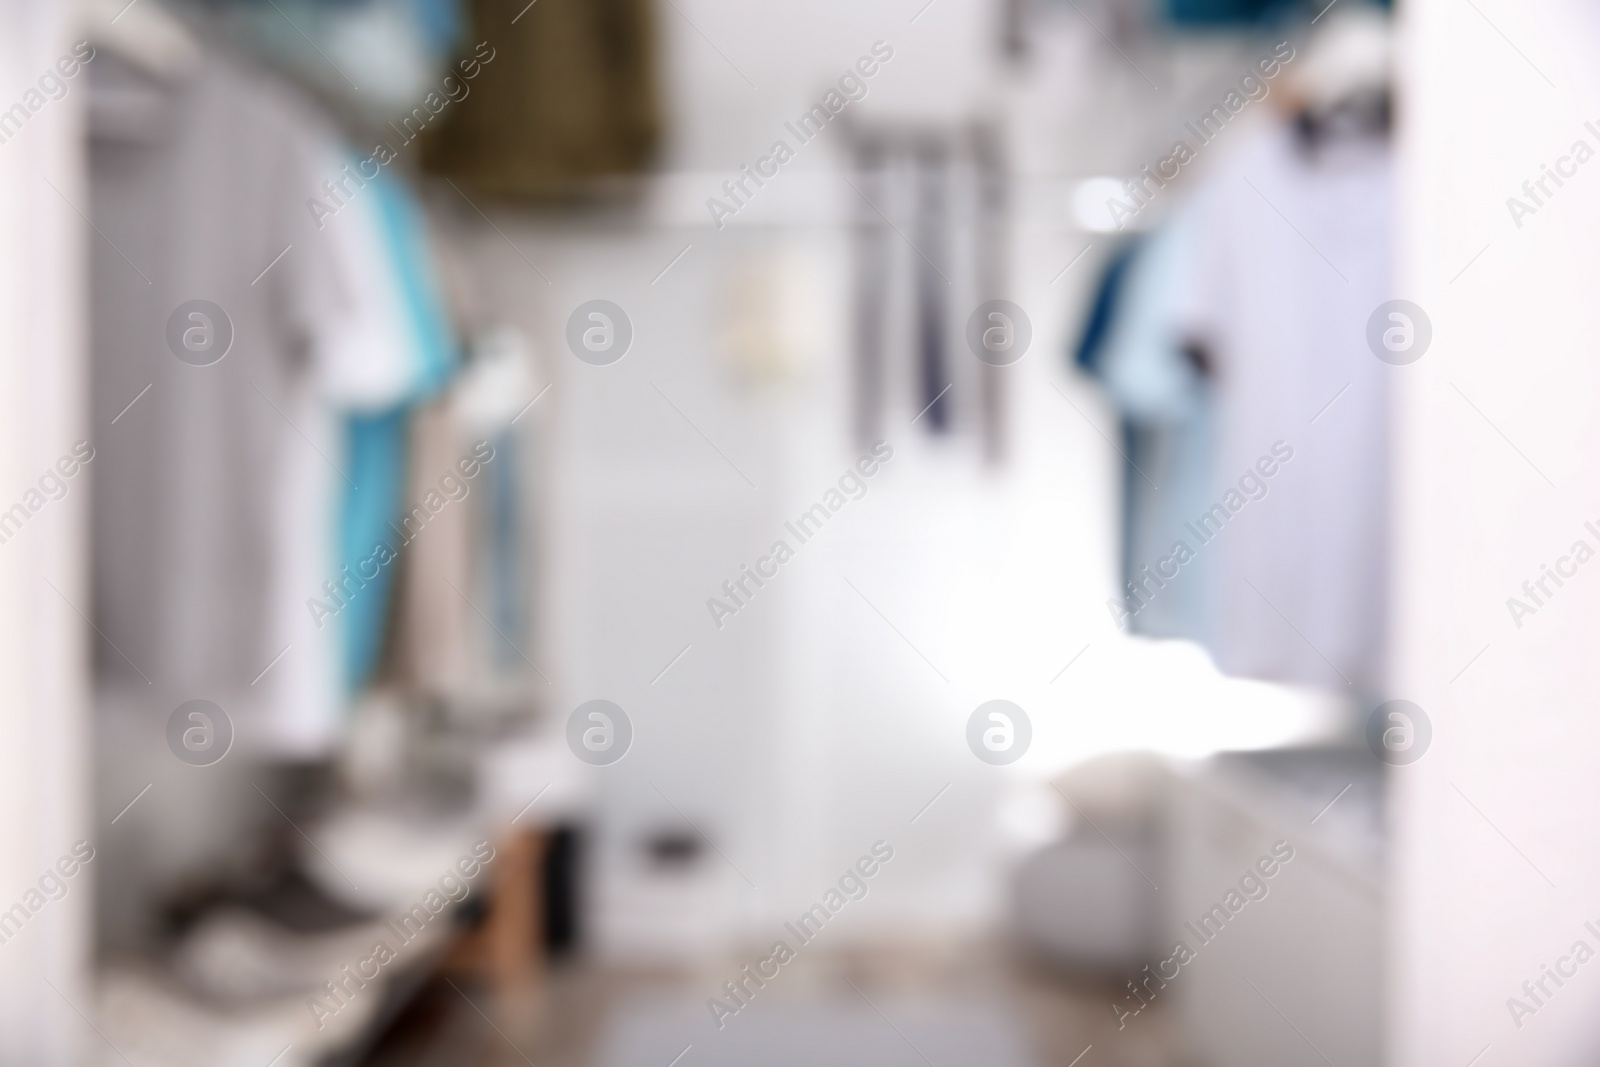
1294,977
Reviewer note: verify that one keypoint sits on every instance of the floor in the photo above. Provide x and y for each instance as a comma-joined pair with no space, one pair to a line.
585,1011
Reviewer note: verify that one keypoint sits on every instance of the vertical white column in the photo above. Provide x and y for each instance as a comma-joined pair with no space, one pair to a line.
1495,869
43,652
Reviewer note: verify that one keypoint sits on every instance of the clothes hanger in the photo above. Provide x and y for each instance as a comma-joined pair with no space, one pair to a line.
1343,87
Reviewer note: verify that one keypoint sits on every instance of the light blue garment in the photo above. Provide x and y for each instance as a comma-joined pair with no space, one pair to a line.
1167,413
1143,366
375,447
375,442
406,243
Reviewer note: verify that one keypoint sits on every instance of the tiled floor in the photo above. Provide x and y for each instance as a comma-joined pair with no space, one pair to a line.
1060,1019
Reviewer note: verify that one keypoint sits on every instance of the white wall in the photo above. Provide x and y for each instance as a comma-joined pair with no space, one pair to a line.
807,727
1495,869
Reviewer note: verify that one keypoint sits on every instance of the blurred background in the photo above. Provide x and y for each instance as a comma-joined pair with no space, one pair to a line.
656,532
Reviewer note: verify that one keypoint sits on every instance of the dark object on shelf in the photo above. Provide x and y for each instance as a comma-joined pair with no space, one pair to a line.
562,912
672,848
